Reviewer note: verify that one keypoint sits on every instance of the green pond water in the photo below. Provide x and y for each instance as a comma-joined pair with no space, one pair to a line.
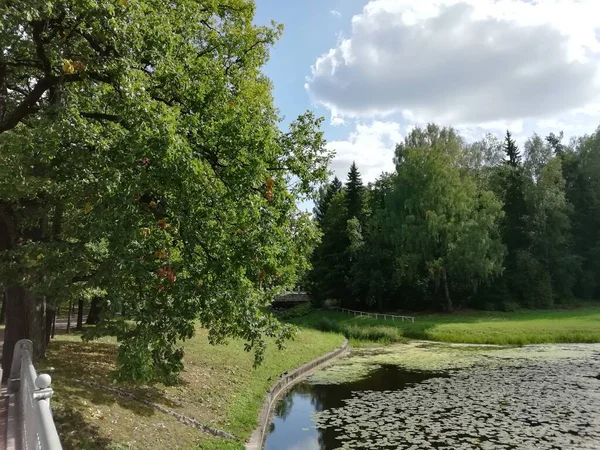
419,395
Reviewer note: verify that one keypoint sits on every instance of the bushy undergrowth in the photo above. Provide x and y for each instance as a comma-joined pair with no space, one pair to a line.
374,333
297,311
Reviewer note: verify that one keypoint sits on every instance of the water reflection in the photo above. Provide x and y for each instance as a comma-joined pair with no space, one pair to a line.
292,427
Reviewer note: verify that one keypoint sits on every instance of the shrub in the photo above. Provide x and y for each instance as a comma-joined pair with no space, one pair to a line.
374,333
509,306
296,311
328,325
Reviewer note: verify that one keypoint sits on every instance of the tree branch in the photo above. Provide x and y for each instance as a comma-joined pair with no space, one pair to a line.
28,104
101,116
38,29
105,52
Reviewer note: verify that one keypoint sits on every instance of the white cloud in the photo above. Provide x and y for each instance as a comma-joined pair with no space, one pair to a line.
483,63
336,121
371,146
309,443
335,13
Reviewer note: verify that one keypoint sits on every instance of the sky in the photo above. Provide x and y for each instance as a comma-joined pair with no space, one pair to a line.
376,69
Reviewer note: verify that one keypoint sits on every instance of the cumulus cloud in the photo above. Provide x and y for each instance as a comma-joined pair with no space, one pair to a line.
335,13
371,146
463,61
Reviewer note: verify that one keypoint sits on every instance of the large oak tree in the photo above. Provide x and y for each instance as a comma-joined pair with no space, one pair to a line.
141,158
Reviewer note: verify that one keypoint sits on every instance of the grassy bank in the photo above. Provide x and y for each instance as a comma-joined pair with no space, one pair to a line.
474,327
219,387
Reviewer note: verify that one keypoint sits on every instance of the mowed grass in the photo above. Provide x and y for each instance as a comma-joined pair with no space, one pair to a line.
219,387
473,327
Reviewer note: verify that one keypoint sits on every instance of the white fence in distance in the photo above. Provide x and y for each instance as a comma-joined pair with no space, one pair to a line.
392,317
33,392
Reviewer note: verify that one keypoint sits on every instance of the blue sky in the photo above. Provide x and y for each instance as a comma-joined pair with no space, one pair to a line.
375,69
310,30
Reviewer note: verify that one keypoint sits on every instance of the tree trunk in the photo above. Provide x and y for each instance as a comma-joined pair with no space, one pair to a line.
3,306
449,307
37,324
54,323
50,314
24,320
17,325
94,314
70,311
24,312
79,314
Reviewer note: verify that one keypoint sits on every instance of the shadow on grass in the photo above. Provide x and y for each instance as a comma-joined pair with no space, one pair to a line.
76,433
95,362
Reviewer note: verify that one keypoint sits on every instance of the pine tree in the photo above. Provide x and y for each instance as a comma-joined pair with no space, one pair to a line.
514,198
325,196
328,277
512,151
354,194
336,185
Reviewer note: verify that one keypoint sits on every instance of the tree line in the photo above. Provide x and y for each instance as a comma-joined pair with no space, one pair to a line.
460,224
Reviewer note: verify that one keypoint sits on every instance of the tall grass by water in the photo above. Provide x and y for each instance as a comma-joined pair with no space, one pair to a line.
473,327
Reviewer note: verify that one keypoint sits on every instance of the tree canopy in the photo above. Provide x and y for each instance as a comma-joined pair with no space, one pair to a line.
142,158
470,224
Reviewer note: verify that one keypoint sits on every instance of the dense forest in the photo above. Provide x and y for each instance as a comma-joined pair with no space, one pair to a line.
485,225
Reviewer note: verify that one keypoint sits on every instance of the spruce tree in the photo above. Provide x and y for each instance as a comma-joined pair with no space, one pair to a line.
354,193
328,277
325,196
513,154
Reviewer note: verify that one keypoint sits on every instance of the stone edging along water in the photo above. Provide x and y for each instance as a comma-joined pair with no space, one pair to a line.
282,385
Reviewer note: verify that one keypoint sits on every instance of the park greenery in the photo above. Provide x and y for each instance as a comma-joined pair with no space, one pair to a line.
460,225
144,170
219,387
142,166
573,325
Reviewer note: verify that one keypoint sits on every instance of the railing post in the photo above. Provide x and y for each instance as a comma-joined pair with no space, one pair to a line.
32,410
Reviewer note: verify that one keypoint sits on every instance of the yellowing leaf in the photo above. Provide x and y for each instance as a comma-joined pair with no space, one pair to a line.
160,254
88,208
68,66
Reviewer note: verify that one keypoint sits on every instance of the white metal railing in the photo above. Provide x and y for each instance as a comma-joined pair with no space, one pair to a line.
375,315
33,393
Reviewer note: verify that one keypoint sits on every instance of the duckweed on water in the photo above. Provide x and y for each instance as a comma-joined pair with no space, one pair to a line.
550,404
422,356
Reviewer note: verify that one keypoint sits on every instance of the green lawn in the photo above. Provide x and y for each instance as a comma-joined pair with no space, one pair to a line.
514,328
218,387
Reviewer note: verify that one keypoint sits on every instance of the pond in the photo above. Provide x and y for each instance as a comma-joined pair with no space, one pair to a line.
455,397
